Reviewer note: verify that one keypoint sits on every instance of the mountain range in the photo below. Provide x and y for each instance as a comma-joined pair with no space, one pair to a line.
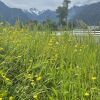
90,14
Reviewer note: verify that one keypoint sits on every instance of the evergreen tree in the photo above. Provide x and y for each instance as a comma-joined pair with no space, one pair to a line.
62,12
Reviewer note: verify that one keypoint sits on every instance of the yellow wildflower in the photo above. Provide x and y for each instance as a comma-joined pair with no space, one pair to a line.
80,50
30,61
29,76
57,43
1,99
11,98
93,78
76,45
87,94
77,66
1,49
38,78
7,79
56,55
32,82
50,42
35,96
75,50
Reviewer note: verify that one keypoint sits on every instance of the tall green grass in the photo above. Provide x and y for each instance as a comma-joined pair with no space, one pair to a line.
43,66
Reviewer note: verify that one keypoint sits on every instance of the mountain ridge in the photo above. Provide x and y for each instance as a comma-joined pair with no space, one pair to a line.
90,14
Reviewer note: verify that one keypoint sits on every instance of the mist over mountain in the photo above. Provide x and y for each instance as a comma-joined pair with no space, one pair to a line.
90,14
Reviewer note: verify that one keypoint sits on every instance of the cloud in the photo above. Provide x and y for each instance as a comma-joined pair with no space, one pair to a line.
82,2
43,4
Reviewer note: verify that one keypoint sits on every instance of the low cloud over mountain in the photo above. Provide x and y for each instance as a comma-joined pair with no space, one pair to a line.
44,4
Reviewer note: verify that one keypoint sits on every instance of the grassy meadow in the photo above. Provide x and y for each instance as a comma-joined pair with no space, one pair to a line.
44,66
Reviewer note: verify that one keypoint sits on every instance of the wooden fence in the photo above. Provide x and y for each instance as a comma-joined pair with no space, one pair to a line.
79,32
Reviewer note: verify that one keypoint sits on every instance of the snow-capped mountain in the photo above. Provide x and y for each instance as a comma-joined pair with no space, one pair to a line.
36,11
12,14
35,14
88,13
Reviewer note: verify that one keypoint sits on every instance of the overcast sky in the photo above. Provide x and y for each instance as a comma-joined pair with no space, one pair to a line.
43,4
